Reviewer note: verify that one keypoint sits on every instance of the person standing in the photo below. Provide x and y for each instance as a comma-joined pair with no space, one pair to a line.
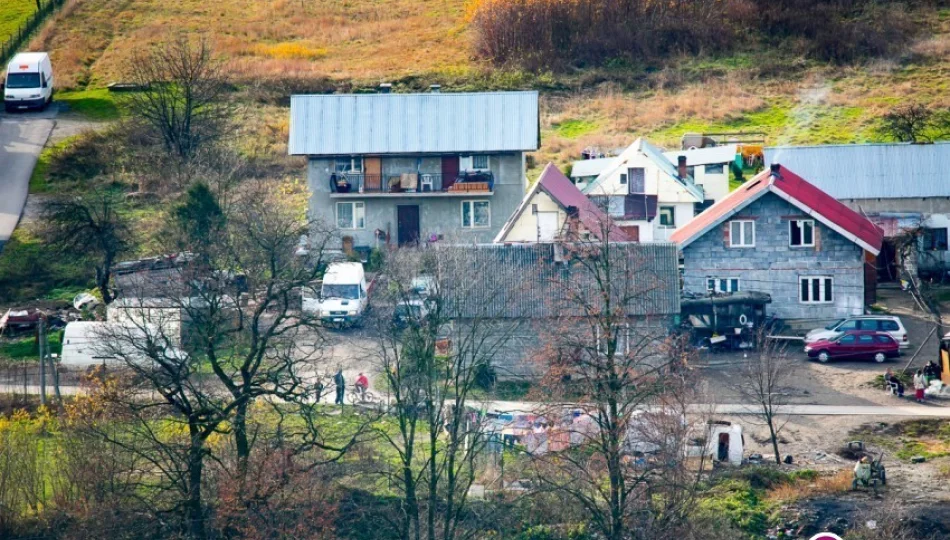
340,383
919,386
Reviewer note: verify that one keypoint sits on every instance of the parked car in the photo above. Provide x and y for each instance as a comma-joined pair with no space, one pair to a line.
854,345
874,323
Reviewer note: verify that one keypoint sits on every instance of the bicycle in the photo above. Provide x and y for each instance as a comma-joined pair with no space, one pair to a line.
362,395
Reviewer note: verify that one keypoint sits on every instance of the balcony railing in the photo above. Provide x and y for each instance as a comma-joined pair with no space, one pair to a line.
413,182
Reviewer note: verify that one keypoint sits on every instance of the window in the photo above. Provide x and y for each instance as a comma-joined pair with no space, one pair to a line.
888,326
742,233
816,290
23,80
715,169
473,163
848,325
935,239
884,339
667,217
722,285
801,233
476,214
350,164
350,215
865,340
638,182
623,179
847,340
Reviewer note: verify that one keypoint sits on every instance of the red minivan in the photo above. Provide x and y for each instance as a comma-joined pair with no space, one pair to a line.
853,345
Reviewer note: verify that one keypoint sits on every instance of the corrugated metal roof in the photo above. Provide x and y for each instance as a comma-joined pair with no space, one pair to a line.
705,156
591,167
352,124
526,280
870,171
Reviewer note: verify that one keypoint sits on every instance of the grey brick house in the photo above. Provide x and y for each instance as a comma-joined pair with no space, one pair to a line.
781,235
400,169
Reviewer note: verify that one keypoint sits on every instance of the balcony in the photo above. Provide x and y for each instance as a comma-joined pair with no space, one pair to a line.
411,184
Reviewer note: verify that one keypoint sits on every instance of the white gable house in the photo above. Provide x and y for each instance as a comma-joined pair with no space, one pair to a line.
647,195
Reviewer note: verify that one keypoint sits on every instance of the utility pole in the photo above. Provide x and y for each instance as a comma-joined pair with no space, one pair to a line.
41,342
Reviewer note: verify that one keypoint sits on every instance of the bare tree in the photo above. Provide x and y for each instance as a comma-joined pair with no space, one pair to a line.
204,343
90,226
441,328
762,384
915,123
609,353
181,100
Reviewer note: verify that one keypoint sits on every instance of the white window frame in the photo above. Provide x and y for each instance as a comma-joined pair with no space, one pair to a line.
467,163
355,224
822,288
722,285
659,216
744,242
801,223
471,213
355,165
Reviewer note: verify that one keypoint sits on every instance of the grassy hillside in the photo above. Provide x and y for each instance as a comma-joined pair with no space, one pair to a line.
325,45
13,13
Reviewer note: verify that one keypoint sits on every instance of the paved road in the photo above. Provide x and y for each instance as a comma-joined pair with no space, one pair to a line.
933,409
22,137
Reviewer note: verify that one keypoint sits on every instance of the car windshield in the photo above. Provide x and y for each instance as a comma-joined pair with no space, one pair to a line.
23,80
346,292
834,324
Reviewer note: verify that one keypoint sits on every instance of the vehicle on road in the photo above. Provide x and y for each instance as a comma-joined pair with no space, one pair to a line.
29,82
343,296
855,345
873,323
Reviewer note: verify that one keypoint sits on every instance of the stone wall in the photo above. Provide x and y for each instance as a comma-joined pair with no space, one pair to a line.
773,267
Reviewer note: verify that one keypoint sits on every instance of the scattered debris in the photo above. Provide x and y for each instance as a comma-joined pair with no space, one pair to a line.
918,459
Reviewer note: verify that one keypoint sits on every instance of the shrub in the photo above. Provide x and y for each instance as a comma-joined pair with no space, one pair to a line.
555,34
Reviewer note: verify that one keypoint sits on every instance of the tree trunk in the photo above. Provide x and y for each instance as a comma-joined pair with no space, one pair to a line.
241,443
774,436
102,283
194,511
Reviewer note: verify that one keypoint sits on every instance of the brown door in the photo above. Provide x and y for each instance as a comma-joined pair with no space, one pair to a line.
450,171
373,174
407,225
632,231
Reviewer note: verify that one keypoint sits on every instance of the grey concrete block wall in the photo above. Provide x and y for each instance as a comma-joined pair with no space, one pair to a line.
774,267
439,215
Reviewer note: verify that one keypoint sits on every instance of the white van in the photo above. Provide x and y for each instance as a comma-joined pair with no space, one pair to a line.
29,82
343,297
80,345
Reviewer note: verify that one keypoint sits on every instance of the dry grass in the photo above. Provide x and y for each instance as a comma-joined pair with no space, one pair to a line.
358,39
801,489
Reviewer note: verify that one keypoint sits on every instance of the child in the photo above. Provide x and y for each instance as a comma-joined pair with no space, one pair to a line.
919,386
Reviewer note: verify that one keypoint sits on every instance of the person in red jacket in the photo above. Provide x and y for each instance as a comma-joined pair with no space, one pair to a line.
362,384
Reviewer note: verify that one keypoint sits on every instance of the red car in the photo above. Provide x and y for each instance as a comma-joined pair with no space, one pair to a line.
853,345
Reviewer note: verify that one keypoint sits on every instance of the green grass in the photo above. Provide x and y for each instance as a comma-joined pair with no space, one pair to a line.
39,180
95,104
31,269
26,348
14,13
573,129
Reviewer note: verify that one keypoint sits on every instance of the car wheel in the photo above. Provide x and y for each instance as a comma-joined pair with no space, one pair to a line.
880,357
823,357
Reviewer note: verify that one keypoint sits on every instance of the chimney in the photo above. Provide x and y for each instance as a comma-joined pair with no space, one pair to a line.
385,88
681,167
776,171
435,88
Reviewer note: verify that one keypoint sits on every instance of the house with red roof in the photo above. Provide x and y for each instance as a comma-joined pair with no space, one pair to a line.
555,210
781,235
